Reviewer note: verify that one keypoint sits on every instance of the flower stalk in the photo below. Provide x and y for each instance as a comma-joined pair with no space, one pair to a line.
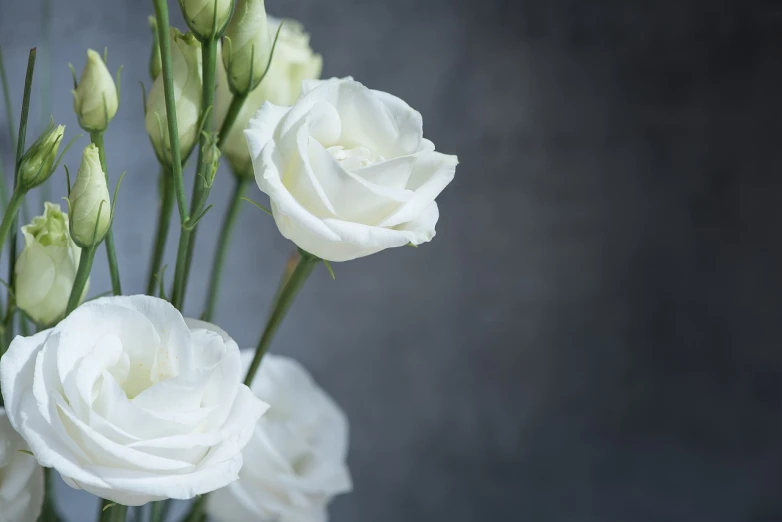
307,262
163,225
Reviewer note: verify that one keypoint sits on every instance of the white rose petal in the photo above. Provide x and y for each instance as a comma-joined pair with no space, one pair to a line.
295,461
347,170
21,478
130,401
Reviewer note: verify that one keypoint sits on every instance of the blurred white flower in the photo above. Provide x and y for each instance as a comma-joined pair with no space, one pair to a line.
295,462
21,478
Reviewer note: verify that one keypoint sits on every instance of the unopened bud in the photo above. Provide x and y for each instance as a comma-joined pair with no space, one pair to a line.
95,97
186,66
90,209
211,159
37,164
247,46
206,18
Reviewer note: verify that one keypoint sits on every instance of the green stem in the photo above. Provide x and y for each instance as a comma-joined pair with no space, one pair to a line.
163,225
49,510
7,101
307,263
233,111
20,143
111,254
159,510
230,117
112,512
223,240
161,13
82,275
196,513
200,189
10,215
45,81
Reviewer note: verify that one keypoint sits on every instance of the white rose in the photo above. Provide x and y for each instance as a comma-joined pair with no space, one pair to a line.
295,461
293,61
347,170
130,401
46,268
21,478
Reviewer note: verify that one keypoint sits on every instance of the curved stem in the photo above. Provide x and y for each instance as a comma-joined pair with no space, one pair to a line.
82,275
307,263
230,117
222,247
111,254
163,225
200,189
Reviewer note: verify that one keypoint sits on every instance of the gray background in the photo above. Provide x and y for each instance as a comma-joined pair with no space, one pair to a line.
594,333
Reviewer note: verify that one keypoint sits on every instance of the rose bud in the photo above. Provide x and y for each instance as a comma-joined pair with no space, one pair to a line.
90,209
206,18
37,164
247,46
95,98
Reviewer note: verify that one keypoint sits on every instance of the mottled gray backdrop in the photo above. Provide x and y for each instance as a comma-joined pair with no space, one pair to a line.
594,334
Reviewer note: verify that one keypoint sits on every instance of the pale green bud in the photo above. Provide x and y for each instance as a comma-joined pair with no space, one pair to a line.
292,62
95,98
206,18
155,63
186,66
46,268
247,46
37,164
90,209
211,158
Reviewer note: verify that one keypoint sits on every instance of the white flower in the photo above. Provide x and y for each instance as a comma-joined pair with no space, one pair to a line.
295,461
130,401
46,268
95,98
292,62
347,170
186,71
21,478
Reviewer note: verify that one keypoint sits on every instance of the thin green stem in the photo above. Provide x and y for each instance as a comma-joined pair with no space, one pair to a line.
82,275
230,117
112,512
49,510
307,263
45,82
233,111
20,143
111,254
159,510
161,13
223,240
9,217
163,225
200,188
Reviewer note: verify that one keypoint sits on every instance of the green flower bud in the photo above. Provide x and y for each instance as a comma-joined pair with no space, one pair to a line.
46,268
211,158
155,63
206,18
95,98
37,164
247,46
293,61
186,65
90,208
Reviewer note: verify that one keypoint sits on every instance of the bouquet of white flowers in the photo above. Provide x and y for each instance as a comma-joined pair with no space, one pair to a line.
123,396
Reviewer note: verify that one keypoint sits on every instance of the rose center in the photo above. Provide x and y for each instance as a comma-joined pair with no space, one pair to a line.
354,158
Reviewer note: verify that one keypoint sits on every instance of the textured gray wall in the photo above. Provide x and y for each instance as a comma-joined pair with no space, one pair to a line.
594,333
